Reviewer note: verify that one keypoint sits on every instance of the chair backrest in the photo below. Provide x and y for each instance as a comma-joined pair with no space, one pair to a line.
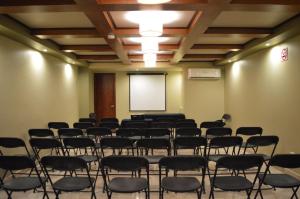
124,163
116,142
162,125
211,124
182,163
228,141
136,124
79,142
290,161
40,133
83,125
58,125
157,132
154,143
189,143
112,119
16,162
249,131
185,124
128,132
63,163
110,125
260,141
218,131
11,142
45,143
240,162
98,131
69,132
188,132
91,120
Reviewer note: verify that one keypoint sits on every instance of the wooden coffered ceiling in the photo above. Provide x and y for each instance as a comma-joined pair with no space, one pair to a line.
207,30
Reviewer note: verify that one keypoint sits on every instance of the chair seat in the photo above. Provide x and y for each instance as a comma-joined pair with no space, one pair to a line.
127,185
266,157
248,146
232,183
280,180
215,158
88,158
180,184
70,184
23,183
154,159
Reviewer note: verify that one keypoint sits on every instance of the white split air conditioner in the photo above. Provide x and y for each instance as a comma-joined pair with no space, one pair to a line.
204,73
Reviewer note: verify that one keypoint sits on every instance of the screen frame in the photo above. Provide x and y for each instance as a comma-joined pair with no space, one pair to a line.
165,106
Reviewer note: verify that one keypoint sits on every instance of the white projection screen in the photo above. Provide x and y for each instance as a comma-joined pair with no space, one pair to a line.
147,92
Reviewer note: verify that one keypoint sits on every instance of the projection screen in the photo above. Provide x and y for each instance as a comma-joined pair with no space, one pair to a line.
147,92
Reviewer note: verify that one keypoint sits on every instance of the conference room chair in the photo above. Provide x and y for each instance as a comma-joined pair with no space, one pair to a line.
248,132
260,144
178,183
237,180
69,132
117,145
220,147
181,132
20,183
157,133
40,133
153,149
71,181
131,183
111,125
110,119
211,124
91,120
10,144
97,133
57,125
131,133
83,125
281,180
218,132
196,144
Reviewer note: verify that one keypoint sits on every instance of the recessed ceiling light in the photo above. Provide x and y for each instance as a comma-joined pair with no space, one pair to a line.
150,45
229,60
267,44
152,16
140,39
45,50
68,51
153,1
235,50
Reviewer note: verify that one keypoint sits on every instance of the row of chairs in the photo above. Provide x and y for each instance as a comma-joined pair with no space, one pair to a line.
236,181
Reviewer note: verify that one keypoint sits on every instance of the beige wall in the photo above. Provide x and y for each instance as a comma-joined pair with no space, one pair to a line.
85,92
261,90
198,99
35,88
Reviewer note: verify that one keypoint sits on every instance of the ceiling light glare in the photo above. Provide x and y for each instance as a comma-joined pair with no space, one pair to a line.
151,29
150,60
150,45
153,1
162,17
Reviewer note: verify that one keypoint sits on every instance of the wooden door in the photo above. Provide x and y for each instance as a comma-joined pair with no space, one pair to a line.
104,95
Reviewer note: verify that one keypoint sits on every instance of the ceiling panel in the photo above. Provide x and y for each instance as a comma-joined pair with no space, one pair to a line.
251,19
53,20
79,41
120,20
207,51
163,40
229,39
135,52
93,53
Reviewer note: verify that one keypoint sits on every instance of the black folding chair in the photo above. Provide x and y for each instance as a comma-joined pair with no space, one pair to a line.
218,132
69,132
19,183
248,132
181,132
147,147
91,120
40,133
71,182
165,124
110,125
211,124
181,184
157,133
83,125
132,184
197,144
110,119
96,133
57,125
117,145
131,133
185,124
235,182
136,124
13,143
282,180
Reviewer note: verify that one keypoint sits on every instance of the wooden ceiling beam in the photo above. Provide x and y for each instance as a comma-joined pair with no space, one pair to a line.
134,32
97,48
103,26
204,56
199,25
97,57
238,30
159,57
218,46
65,32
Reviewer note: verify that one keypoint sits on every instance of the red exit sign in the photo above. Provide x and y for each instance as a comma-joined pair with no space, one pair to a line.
284,54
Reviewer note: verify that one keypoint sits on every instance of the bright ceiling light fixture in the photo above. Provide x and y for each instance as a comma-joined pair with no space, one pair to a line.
153,1
150,45
164,17
150,60
151,29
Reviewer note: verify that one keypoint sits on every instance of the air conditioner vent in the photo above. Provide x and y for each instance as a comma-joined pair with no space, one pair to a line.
204,73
